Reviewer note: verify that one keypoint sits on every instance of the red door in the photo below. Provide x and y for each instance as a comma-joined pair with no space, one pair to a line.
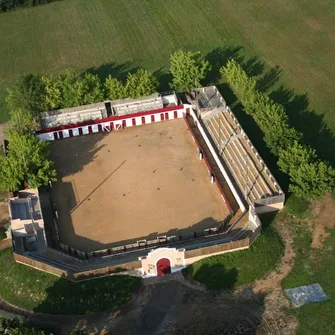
80,131
166,116
175,114
133,122
99,128
70,132
124,124
162,117
112,125
163,267
188,111
143,119
153,118
90,129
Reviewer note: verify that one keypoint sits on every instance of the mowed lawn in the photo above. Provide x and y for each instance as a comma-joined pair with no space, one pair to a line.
115,36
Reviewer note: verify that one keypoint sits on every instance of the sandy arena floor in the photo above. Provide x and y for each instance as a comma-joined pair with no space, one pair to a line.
137,183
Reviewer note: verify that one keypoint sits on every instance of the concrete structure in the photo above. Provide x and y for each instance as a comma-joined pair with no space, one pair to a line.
253,178
27,224
234,165
102,110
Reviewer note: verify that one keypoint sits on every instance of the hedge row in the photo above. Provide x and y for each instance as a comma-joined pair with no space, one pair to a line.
310,178
36,94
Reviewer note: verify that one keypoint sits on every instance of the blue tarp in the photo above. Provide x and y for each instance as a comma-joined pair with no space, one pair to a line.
305,294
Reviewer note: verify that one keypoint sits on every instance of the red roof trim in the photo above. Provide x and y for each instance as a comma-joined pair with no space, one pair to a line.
110,119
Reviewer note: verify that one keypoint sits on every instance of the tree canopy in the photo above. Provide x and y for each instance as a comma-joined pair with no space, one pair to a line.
21,122
26,160
15,327
26,157
140,83
114,88
188,70
71,88
27,93
8,5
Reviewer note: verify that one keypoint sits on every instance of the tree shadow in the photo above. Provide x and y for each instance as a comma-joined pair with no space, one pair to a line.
268,79
216,276
118,71
252,66
232,311
314,128
219,57
73,154
164,78
87,297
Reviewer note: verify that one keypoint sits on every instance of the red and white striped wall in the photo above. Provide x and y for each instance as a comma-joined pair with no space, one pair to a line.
114,123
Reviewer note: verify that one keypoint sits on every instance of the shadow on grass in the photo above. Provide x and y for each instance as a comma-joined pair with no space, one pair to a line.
252,66
88,297
118,71
315,131
216,276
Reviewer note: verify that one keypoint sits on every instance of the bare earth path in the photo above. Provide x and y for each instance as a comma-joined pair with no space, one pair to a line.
276,299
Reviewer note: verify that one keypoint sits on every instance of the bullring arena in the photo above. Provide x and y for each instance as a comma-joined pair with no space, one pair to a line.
144,187
139,183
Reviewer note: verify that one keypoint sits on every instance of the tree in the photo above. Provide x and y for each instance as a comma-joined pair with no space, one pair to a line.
21,122
310,178
91,89
53,93
313,180
27,93
114,89
140,84
15,327
187,70
10,173
295,156
26,160
71,88
244,86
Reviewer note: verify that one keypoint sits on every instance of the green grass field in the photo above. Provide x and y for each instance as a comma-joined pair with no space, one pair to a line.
240,267
41,292
114,36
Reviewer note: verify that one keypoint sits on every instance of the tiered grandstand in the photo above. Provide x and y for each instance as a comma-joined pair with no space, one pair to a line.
256,184
101,110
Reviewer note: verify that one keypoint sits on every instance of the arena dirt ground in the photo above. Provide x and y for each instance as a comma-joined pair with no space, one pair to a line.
133,184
